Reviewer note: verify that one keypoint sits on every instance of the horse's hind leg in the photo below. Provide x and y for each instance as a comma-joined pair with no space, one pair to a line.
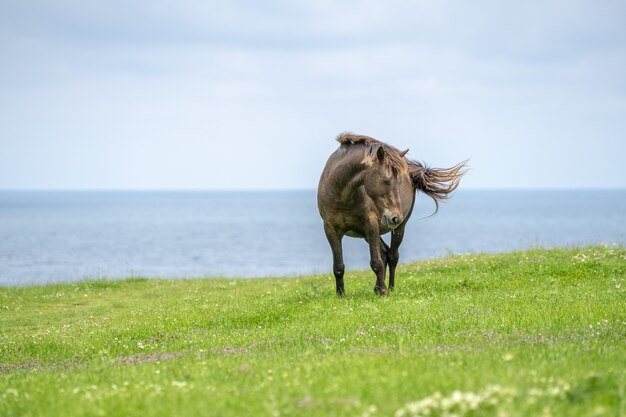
334,239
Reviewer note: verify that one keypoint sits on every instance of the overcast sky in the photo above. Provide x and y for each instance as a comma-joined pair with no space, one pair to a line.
251,94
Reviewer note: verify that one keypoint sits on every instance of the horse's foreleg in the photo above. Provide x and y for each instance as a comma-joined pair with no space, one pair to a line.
334,239
384,254
393,255
376,262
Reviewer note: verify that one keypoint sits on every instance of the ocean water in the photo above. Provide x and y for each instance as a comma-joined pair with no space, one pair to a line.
65,236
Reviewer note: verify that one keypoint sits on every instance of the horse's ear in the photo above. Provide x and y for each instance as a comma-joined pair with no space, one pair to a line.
380,154
402,154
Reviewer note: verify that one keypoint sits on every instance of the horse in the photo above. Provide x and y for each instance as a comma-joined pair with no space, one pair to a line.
367,189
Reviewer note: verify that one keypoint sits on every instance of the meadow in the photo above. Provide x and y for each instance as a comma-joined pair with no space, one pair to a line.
539,332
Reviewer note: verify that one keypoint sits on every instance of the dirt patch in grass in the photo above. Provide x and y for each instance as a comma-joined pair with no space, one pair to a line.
147,358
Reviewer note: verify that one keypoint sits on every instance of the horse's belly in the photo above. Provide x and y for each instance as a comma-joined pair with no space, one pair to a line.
352,233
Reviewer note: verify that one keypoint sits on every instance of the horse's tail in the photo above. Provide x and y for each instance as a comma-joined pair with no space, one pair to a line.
437,183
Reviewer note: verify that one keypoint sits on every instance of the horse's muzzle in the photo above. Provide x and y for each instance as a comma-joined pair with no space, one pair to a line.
391,220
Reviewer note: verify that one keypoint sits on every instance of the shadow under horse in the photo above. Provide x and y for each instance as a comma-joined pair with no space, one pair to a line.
367,189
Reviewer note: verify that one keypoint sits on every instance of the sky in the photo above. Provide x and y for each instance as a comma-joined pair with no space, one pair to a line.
210,94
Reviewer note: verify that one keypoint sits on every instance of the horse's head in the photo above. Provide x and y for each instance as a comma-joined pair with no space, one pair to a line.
383,179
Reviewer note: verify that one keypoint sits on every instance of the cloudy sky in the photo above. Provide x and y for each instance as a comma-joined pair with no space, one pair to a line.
250,95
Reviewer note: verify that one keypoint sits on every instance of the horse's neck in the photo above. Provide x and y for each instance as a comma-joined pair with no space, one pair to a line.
351,178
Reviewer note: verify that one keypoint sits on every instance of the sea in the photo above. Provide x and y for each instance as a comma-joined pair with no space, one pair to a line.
68,236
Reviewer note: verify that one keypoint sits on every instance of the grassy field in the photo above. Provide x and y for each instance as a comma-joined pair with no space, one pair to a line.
534,333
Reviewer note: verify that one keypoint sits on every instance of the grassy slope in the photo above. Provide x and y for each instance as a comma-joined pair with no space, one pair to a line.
530,333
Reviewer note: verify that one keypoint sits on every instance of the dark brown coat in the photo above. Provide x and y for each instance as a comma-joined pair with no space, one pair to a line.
367,189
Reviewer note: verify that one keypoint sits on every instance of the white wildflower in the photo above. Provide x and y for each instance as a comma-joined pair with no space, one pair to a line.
10,391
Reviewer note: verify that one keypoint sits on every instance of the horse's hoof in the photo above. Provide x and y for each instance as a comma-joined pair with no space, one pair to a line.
380,290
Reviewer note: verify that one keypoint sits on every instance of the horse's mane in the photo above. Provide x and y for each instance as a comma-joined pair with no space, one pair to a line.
394,157
437,183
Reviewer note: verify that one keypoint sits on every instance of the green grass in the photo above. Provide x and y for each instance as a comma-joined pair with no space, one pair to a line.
536,333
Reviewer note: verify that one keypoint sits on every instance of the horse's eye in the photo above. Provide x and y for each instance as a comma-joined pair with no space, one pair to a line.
386,181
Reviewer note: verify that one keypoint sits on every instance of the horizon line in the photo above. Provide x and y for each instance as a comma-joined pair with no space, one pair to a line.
294,189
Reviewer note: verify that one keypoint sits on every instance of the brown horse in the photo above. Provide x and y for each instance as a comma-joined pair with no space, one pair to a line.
368,189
